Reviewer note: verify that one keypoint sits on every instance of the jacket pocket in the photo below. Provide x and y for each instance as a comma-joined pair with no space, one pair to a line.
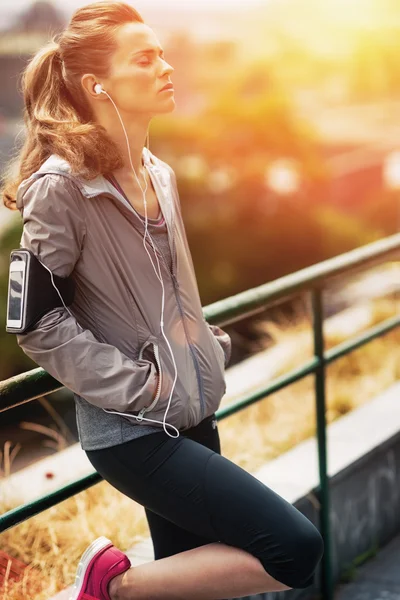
150,347
218,350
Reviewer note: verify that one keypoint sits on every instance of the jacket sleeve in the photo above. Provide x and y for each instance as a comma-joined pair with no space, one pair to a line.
54,230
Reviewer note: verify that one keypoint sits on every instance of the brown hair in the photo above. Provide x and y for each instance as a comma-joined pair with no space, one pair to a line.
57,114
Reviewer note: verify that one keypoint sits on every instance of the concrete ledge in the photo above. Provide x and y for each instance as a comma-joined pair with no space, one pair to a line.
45,476
350,439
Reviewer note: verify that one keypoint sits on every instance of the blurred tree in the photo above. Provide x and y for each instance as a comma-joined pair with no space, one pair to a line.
382,210
374,70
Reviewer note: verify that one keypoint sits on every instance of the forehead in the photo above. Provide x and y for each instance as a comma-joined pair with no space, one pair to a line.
132,37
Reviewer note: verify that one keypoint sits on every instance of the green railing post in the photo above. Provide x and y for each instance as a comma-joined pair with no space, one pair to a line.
323,492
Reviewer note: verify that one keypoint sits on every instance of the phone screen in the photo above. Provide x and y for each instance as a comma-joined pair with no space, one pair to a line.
16,286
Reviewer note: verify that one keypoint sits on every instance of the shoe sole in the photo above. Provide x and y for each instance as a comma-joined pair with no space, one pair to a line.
84,563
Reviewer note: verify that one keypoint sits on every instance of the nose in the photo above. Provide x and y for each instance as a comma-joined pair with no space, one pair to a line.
167,68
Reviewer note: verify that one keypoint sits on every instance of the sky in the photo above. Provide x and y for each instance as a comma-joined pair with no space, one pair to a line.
15,6
9,9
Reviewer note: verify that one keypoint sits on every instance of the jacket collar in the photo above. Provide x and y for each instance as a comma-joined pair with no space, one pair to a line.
158,172
98,185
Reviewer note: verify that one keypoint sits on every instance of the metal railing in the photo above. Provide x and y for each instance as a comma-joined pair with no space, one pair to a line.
37,382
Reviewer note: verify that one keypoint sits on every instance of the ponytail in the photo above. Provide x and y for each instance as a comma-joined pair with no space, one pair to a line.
41,80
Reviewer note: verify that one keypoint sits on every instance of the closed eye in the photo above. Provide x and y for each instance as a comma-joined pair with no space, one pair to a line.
147,60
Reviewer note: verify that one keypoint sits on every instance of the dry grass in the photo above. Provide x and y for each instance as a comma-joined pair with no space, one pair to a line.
52,543
282,420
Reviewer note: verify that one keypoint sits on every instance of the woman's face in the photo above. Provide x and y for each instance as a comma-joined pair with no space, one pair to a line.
138,71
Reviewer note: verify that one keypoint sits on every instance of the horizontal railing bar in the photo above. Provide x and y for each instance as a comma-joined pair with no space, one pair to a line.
305,369
246,314
17,390
227,311
362,339
20,514
276,385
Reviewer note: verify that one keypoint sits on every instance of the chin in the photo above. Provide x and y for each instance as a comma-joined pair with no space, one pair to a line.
167,108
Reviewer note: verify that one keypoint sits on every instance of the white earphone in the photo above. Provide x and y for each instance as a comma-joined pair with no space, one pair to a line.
98,88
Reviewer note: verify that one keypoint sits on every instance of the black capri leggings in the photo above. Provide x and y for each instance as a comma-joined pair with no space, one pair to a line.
194,496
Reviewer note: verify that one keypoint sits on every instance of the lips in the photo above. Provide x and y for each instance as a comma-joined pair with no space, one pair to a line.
169,86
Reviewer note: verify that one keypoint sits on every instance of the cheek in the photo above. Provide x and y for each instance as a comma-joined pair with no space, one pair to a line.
134,86
145,80
141,77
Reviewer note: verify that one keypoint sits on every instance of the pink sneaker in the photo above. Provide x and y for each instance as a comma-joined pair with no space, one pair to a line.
100,562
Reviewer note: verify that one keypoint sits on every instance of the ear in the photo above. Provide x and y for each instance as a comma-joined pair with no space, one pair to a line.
88,81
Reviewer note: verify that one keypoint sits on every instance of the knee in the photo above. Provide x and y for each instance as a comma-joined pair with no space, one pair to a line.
312,546
307,553
297,559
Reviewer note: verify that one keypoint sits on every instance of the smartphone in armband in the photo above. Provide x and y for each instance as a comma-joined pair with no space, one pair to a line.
33,291
16,306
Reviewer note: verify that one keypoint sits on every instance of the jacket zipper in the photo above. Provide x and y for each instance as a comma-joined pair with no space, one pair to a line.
157,396
177,295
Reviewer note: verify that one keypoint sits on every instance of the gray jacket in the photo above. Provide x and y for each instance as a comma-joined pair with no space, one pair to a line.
112,353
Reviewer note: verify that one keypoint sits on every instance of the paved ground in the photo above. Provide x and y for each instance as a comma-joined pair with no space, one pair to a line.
378,579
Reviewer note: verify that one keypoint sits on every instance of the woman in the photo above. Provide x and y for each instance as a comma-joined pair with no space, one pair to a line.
146,369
